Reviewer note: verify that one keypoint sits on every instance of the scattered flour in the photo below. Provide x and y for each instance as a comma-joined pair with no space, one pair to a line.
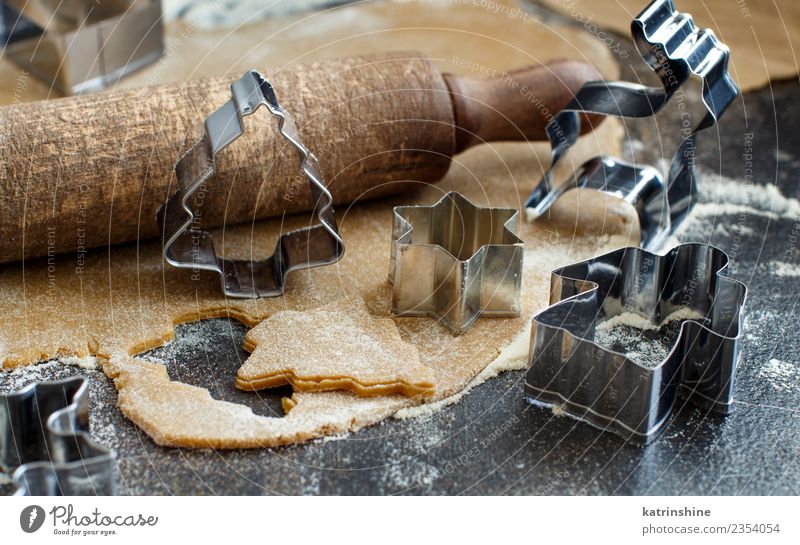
784,269
781,375
723,195
89,362
641,340
19,377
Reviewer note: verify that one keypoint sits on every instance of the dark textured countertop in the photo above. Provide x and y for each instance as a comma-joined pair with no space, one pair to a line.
493,442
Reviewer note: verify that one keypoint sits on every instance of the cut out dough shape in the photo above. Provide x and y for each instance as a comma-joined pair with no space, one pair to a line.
335,347
124,300
764,37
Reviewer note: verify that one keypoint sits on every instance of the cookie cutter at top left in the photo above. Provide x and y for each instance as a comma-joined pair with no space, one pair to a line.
81,45
189,247
44,434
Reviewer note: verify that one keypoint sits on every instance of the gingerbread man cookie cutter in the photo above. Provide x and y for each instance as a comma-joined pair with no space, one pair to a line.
571,373
44,435
677,51
455,261
189,247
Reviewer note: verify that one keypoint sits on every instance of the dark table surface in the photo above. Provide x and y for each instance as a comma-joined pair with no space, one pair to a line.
493,442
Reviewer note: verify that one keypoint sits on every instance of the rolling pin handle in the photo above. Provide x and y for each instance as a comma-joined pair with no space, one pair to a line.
516,105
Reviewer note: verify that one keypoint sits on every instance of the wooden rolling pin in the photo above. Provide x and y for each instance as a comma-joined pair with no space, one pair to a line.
91,170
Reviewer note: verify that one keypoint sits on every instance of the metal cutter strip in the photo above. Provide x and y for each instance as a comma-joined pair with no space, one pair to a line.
44,434
189,247
673,46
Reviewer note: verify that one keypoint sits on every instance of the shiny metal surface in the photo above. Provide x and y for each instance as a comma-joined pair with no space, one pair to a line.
44,434
575,376
82,45
189,247
677,51
455,261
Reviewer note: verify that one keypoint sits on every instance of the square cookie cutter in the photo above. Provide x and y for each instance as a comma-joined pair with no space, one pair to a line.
82,45
569,372
455,261
188,247
44,434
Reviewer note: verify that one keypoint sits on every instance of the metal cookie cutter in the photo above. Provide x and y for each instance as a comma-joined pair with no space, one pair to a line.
44,434
455,261
570,372
191,248
82,45
673,46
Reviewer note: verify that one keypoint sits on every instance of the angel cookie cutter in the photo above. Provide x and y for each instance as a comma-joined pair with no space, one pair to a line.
44,435
571,373
677,51
455,261
189,247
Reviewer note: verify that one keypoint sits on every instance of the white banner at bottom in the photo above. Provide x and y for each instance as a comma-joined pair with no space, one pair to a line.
392,520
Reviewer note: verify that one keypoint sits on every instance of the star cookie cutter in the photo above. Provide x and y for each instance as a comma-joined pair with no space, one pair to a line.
44,434
677,51
455,262
189,247
574,375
